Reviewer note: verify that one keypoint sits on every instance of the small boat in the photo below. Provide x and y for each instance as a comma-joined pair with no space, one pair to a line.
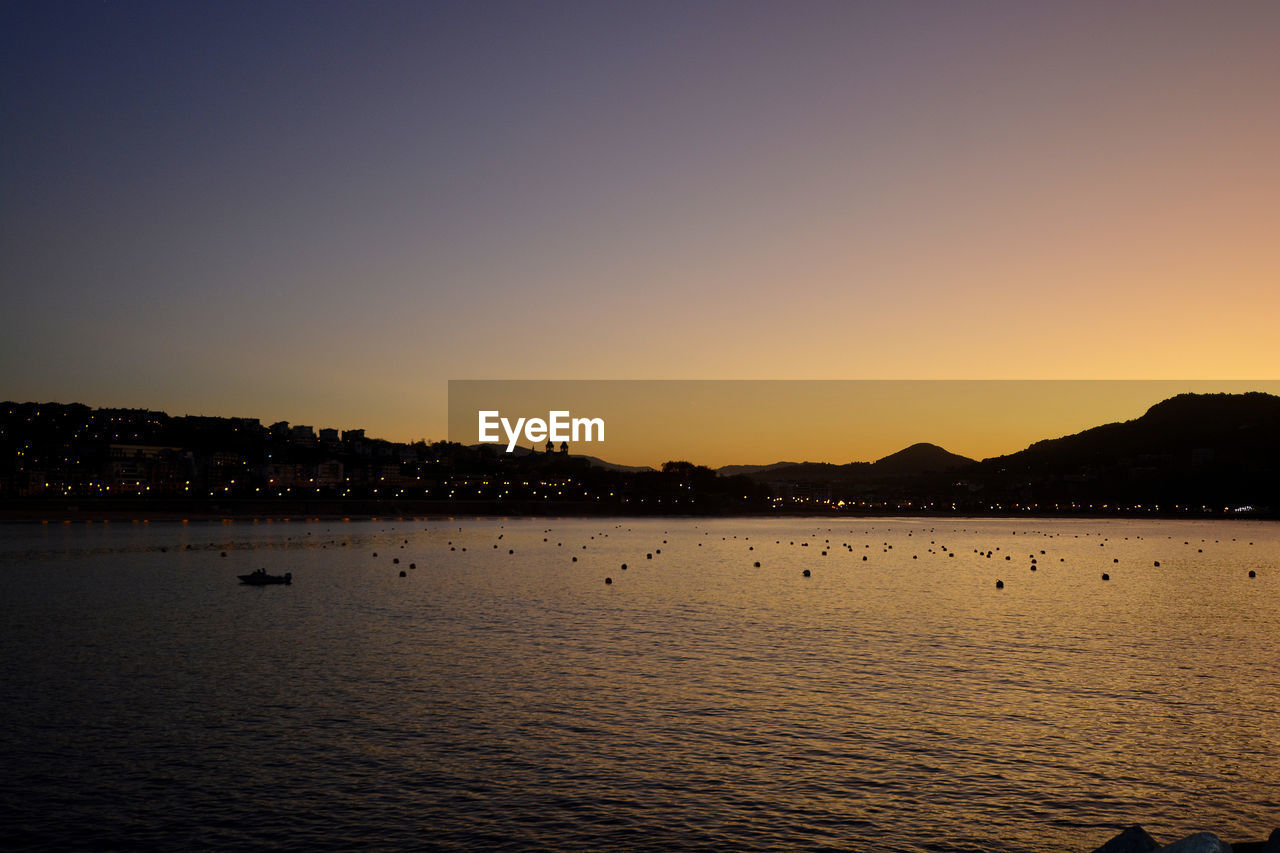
261,578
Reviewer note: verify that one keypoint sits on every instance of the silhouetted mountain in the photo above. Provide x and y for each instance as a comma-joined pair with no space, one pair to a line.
735,470
920,458
916,460
1238,427
597,462
1193,449
810,472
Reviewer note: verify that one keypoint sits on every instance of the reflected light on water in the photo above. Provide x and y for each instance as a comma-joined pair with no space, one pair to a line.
494,699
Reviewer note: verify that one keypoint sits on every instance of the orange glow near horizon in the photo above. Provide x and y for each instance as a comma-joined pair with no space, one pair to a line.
718,423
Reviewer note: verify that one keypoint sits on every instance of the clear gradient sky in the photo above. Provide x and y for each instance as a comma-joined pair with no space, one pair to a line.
321,212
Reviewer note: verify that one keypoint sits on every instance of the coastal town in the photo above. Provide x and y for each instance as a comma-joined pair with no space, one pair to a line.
1201,455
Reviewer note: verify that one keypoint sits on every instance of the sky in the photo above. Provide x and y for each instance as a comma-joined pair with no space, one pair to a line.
760,422
322,212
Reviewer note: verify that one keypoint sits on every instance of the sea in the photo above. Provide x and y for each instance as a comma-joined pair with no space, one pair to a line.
559,684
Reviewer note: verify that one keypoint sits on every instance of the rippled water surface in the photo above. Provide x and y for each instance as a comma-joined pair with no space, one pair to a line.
893,700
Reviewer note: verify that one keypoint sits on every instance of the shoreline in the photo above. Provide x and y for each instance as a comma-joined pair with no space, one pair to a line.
116,509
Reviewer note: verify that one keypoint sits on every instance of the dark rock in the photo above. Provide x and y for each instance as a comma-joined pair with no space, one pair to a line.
1201,842
1133,840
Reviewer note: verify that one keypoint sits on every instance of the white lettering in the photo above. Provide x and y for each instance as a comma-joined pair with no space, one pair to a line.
512,434
559,427
488,421
559,421
586,424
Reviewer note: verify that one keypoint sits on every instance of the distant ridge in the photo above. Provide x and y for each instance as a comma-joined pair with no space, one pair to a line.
916,460
1192,450
735,470
1234,426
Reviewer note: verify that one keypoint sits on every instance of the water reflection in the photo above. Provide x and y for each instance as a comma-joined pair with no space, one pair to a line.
491,699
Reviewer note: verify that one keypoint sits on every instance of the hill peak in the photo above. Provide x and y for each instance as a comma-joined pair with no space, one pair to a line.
919,458
1198,407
